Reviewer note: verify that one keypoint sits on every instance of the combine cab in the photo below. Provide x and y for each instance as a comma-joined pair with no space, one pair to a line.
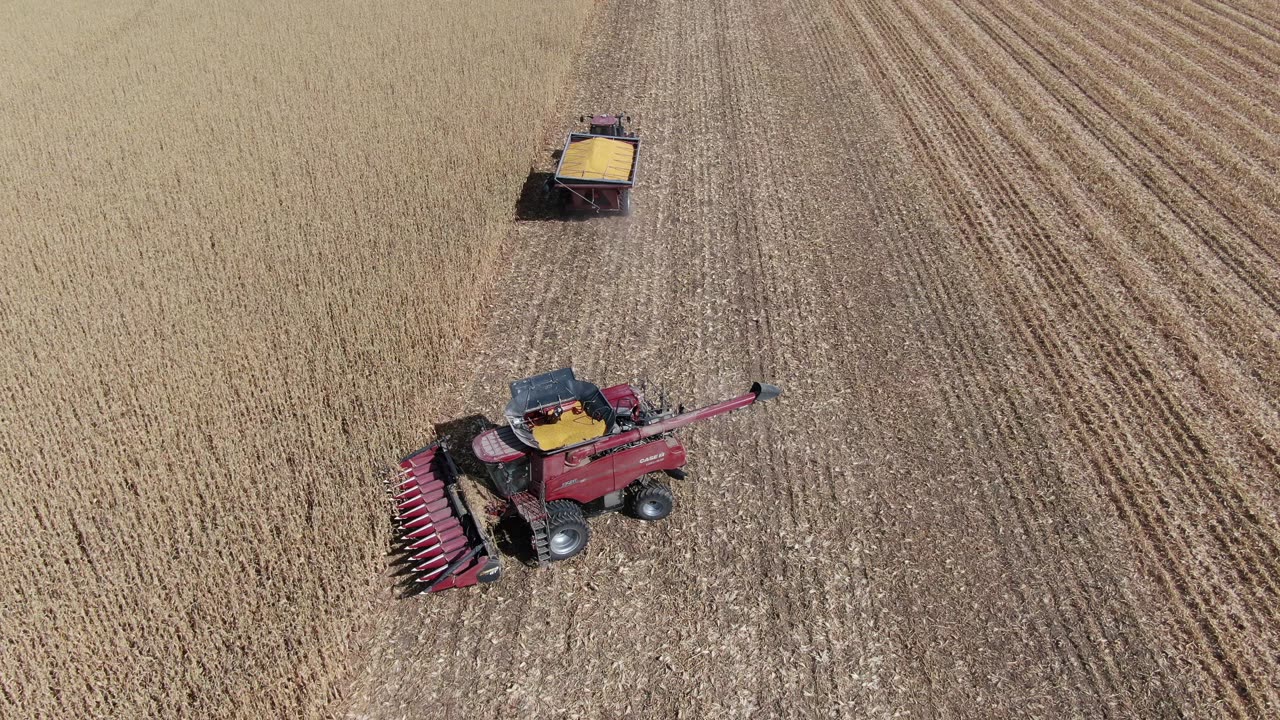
569,451
598,168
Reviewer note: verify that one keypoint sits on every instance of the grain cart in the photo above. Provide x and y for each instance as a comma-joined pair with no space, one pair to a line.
569,451
597,168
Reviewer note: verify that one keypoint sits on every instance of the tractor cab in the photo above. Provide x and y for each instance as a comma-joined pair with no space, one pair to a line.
607,125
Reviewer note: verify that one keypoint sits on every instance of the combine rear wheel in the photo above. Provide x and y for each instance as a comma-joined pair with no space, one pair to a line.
650,502
567,531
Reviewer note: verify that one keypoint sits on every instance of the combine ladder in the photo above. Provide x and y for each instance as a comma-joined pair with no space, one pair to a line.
535,514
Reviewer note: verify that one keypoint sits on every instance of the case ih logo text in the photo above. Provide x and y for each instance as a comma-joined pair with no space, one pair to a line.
652,458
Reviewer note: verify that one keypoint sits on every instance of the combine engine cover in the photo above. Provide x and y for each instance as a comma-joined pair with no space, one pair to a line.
448,545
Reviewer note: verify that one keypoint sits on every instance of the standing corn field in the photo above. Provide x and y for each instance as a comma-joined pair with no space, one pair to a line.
241,245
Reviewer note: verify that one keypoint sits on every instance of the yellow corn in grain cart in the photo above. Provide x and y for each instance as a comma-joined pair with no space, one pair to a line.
598,168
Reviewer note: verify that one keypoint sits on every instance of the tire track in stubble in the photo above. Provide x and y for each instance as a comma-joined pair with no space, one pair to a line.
1153,536
963,417
1130,271
1179,419
1151,165
1230,39
1255,124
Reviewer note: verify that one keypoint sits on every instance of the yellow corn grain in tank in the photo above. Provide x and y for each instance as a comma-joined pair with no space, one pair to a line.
598,159
573,427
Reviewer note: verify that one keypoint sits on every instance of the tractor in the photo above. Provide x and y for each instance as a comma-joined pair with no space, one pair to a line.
569,451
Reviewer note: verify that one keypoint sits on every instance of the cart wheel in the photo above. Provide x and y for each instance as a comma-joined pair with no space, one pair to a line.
567,531
651,502
624,203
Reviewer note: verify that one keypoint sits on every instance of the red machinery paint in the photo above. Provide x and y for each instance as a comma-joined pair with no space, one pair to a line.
549,490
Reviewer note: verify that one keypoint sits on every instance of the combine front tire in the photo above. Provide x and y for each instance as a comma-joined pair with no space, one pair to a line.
651,502
567,531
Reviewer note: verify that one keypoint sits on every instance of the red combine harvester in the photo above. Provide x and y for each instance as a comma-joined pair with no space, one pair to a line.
597,168
569,451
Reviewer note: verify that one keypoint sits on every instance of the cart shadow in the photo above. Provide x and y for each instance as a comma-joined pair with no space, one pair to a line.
538,202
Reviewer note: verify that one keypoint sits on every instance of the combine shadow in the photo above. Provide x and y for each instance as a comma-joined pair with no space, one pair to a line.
511,537
456,435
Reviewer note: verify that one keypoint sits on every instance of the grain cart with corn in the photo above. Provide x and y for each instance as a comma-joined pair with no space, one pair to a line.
597,168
